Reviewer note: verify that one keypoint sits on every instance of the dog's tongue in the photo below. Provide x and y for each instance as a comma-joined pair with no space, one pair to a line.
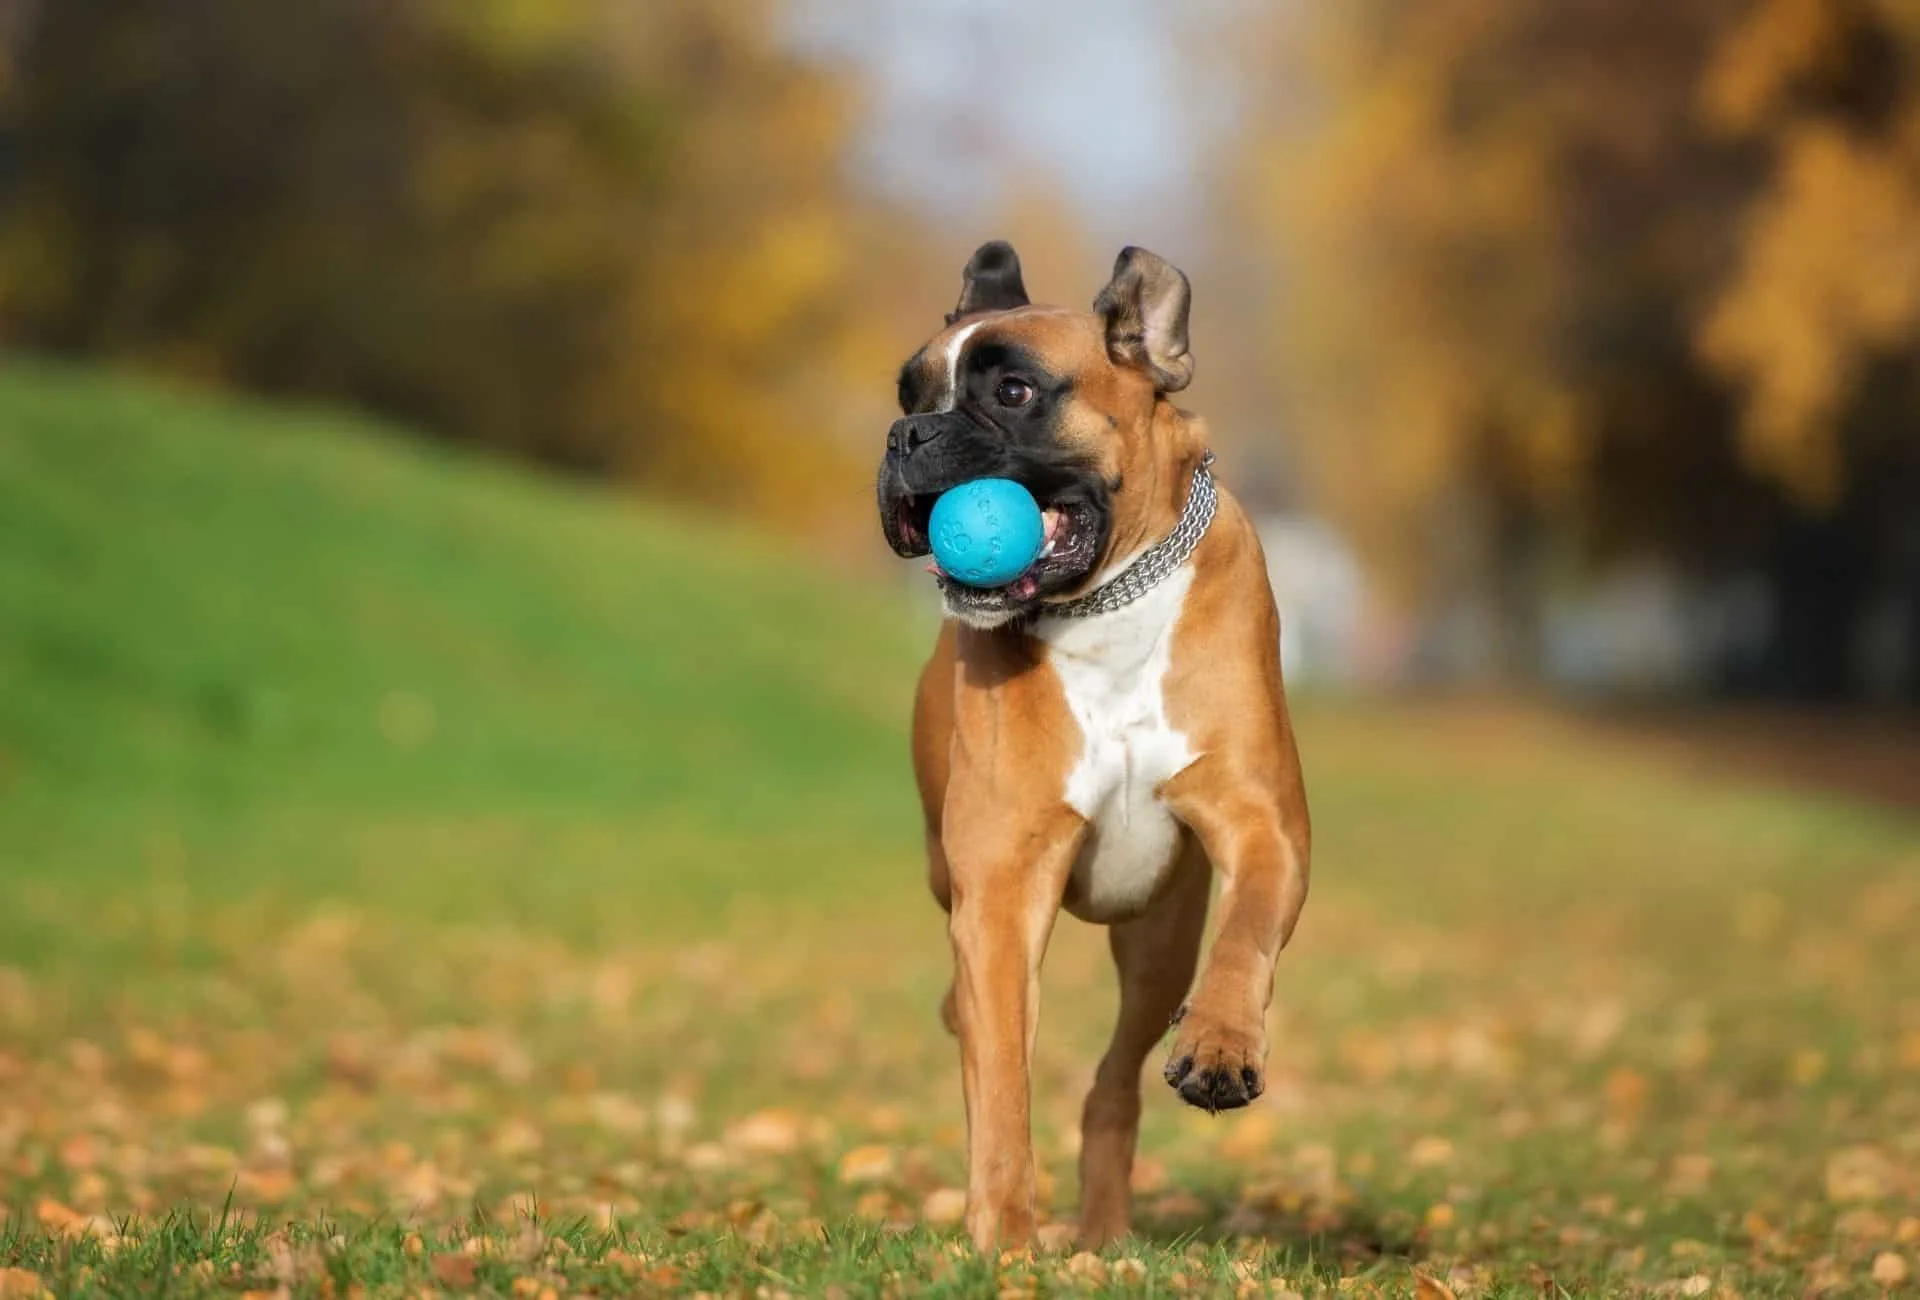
1023,588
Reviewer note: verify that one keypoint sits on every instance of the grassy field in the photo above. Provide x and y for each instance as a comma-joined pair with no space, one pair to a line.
420,880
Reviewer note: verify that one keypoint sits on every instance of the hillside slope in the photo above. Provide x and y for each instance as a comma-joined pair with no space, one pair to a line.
235,638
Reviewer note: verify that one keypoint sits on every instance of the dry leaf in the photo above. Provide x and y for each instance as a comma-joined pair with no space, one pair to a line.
1429,1152
20,1284
1626,1093
1428,1288
1088,1265
766,1133
456,1270
1889,1269
947,1205
1859,1173
1129,1270
869,1164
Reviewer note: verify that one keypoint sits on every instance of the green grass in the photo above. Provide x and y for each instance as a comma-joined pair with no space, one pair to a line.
421,878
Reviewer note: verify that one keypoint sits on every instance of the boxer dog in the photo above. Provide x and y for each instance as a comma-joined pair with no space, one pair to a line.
1106,733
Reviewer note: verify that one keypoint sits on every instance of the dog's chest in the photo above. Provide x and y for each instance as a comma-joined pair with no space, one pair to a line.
1113,670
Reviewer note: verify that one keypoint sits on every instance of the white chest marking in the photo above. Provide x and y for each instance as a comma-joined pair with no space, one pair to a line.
951,397
1113,668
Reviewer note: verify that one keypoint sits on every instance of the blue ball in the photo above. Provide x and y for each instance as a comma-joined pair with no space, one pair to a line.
986,533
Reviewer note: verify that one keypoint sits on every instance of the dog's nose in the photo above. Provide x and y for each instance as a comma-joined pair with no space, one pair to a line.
910,432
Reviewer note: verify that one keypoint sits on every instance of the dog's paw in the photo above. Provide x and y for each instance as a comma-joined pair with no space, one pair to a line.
1213,1066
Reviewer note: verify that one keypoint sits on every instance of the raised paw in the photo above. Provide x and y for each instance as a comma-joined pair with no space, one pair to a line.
1214,1068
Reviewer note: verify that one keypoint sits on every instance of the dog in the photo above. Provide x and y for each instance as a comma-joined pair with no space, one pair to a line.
1106,733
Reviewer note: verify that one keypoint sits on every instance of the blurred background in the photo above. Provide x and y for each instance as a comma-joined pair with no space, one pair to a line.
453,689
1574,348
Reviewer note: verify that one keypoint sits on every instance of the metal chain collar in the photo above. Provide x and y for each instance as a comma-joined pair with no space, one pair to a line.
1154,563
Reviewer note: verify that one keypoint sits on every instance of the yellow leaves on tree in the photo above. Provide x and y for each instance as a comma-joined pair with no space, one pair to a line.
1550,270
1828,276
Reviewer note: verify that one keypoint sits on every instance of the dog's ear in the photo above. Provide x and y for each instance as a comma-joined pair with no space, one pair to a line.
991,281
1145,307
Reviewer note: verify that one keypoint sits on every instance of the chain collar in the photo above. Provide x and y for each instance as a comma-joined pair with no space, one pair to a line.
1154,563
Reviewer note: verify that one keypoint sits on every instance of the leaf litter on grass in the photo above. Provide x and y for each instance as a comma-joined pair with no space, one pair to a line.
1663,1092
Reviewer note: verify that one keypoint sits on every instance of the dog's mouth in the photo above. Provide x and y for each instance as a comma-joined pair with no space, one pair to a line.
1071,537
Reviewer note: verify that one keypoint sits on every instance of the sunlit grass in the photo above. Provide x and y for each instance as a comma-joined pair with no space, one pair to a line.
424,880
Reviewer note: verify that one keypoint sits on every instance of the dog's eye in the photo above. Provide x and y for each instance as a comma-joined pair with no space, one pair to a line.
1013,392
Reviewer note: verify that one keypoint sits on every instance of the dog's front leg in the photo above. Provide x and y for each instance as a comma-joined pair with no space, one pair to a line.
1256,836
1008,870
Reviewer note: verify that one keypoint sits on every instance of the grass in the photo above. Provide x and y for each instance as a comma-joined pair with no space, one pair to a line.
418,879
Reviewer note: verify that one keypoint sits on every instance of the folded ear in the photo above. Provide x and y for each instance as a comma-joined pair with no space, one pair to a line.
1145,306
991,281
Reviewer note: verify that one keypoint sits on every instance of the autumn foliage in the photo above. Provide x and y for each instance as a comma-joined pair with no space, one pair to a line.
613,238
1604,280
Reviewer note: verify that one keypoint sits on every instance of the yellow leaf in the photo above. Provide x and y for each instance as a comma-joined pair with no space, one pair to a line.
869,1164
947,1205
20,1284
1428,1288
766,1133
1889,1269
1858,1173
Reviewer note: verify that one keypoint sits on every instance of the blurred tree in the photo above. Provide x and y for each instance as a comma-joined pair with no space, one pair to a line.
612,237
1598,278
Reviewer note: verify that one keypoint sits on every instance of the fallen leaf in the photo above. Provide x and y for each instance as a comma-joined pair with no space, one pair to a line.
64,1221
947,1205
1129,1270
1626,1093
20,1284
1429,1152
1858,1173
766,1133
1698,1284
1428,1288
1440,1216
1889,1269
456,1270
1088,1265
869,1164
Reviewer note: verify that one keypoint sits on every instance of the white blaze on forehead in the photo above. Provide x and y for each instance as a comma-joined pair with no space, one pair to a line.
949,397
